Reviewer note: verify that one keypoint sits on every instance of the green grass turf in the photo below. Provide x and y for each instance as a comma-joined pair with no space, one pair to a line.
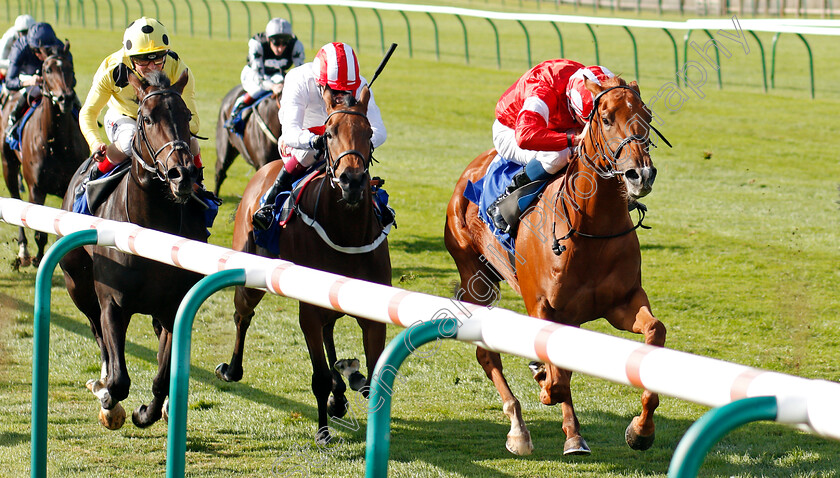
741,265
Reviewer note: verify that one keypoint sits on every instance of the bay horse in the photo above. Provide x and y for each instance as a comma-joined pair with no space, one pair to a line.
341,202
258,143
576,255
109,286
51,146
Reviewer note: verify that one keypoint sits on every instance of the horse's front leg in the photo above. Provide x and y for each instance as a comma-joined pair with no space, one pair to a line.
245,300
146,415
637,317
518,438
117,383
312,321
555,387
39,197
373,337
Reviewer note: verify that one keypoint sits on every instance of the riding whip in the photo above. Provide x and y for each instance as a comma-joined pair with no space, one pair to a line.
383,63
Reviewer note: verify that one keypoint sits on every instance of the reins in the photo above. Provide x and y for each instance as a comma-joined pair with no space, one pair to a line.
333,163
176,145
611,157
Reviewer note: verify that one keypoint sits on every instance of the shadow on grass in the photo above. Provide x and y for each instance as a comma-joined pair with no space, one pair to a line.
208,377
418,244
13,438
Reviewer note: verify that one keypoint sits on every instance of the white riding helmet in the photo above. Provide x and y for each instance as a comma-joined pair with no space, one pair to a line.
23,22
278,26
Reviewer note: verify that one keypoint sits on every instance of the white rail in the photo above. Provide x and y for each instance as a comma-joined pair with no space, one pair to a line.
810,404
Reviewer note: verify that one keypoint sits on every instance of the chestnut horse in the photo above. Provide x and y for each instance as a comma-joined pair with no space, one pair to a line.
341,203
593,269
109,286
258,143
51,146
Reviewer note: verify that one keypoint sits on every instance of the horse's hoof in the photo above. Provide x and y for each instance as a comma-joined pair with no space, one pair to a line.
520,444
16,264
24,261
223,373
112,419
165,410
323,437
636,441
346,367
336,408
576,446
36,262
142,418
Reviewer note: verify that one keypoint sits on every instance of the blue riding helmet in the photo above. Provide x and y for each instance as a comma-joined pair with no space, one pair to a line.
42,35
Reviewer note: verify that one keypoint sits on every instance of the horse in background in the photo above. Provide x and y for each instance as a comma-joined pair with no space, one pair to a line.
576,255
51,145
109,286
258,143
340,202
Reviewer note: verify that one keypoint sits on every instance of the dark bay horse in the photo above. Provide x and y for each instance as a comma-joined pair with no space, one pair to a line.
258,143
52,145
109,286
341,203
599,272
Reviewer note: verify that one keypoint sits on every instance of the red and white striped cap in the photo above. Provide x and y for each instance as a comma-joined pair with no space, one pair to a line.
336,66
580,99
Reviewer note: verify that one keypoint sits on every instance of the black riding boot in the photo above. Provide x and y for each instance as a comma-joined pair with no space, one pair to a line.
519,180
16,113
240,104
265,215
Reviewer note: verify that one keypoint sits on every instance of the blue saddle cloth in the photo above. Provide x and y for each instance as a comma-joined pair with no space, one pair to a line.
284,204
237,122
486,190
14,139
211,202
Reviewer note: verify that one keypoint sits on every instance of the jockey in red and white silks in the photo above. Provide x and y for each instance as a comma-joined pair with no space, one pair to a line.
541,114
303,114
302,105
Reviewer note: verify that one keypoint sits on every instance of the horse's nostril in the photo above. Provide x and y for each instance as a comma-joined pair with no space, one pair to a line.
632,175
174,173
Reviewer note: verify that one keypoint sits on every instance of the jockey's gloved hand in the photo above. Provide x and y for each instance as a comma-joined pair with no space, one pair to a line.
318,142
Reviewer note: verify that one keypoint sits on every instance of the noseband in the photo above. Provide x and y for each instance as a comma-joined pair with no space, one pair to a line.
604,150
176,145
333,163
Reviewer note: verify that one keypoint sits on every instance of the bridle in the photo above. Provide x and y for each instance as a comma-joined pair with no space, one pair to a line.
45,89
332,163
611,156
603,149
177,144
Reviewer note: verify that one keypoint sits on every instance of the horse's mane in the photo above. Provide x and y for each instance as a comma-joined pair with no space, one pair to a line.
617,80
157,79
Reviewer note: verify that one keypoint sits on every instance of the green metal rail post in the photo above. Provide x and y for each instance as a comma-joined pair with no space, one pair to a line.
437,41
382,383
466,44
41,343
408,28
498,49
763,61
179,381
190,10
209,19
335,23
174,17
312,29
248,13
227,10
773,62
157,9
635,51
595,41
289,11
711,427
527,42
676,56
560,38
356,24
381,29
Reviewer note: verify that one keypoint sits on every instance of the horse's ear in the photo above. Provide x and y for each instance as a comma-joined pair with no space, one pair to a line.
635,87
327,95
364,96
66,46
137,83
593,87
182,81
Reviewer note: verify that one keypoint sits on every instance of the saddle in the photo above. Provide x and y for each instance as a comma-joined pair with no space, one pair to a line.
287,201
